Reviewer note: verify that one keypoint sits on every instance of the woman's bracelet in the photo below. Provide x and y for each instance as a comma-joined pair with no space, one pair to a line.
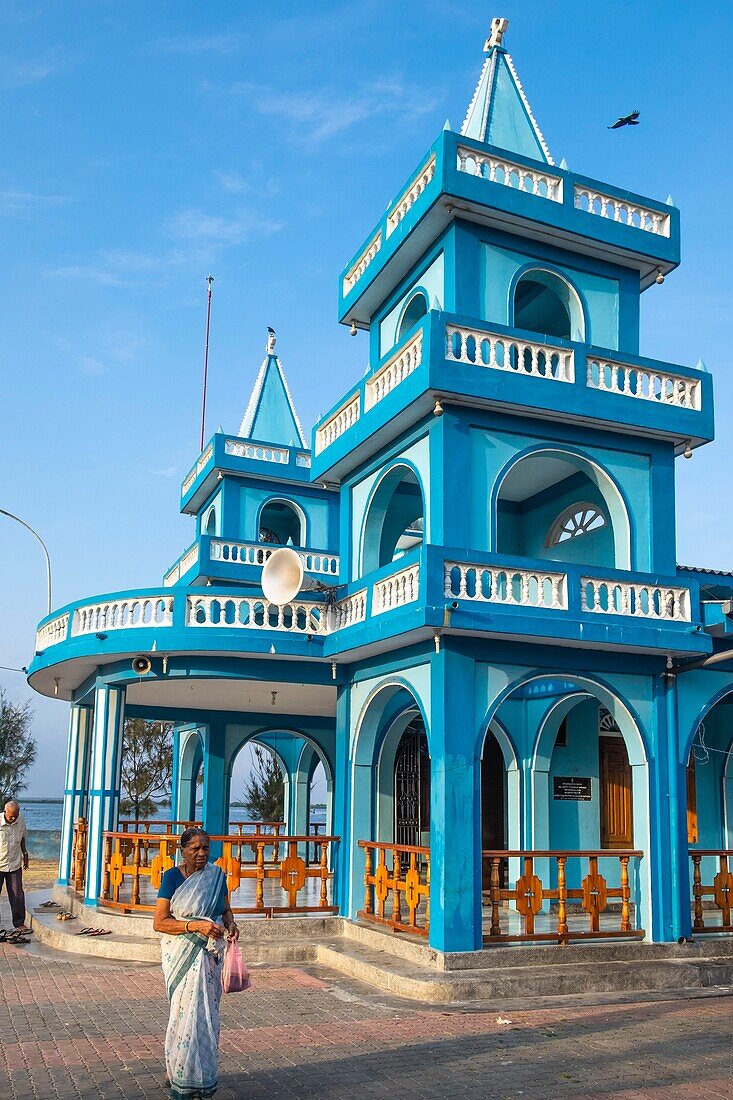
187,924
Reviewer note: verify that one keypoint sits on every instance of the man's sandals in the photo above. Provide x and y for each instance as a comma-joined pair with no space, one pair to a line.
14,937
95,932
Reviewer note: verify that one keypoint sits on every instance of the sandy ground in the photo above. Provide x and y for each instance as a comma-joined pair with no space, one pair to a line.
41,874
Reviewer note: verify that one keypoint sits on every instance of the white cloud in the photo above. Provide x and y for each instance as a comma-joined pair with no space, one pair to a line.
316,116
23,74
235,184
88,364
25,202
215,43
213,229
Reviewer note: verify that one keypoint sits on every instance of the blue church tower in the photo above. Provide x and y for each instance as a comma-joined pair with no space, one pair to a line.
512,687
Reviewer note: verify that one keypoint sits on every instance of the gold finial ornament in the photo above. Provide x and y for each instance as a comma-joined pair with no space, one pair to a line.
498,30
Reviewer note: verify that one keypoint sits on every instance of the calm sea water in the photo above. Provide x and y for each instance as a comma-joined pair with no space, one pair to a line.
43,817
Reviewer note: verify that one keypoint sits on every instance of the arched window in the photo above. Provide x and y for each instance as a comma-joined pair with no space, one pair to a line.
282,523
577,520
395,520
211,522
547,304
416,308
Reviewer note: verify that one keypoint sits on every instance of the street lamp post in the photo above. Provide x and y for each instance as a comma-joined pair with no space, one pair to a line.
28,527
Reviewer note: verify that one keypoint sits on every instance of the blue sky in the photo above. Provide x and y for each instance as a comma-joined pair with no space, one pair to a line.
146,144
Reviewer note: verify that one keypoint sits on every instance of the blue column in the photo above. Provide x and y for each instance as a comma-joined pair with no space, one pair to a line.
77,783
676,852
455,807
104,790
216,795
176,773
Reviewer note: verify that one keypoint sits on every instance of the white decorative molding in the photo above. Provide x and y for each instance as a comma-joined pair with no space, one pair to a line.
620,210
396,591
602,596
505,585
253,613
508,353
355,272
339,423
202,461
128,611
52,632
394,371
644,383
303,459
260,452
494,169
410,195
257,553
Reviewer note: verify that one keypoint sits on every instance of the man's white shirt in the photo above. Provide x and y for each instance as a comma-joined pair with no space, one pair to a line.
11,853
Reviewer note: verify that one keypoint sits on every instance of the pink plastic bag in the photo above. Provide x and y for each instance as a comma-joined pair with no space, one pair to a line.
234,975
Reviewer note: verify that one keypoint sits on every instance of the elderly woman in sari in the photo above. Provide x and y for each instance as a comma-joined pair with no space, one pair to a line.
194,916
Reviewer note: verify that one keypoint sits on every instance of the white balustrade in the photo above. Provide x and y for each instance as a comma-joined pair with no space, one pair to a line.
189,559
122,613
173,576
620,210
508,353
355,272
52,632
505,585
518,176
203,460
257,451
349,611
396,591
339,423
257,553
253,613
410,195
646,601
402,364
644,383
303,459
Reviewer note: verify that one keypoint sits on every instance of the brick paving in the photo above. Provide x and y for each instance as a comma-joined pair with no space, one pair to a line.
77,1028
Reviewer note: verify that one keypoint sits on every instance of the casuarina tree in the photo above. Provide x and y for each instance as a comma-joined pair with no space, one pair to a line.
264,792
147,766
17,747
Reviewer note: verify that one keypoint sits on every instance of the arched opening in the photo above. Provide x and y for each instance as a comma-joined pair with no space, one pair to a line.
587,793
210,527
709,818
558,506
412,786
547,304
416,307
395,519
282,523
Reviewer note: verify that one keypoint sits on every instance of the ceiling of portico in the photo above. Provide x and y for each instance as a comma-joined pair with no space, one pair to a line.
532,475
234,695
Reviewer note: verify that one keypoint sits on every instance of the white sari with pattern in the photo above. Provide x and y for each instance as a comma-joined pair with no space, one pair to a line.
192,970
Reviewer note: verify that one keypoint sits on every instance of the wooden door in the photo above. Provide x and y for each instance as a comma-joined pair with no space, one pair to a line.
617,813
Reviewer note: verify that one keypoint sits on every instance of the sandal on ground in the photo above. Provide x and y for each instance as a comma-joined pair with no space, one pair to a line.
15,937
24,930
3,935
48,905
101,932
65,915
85,931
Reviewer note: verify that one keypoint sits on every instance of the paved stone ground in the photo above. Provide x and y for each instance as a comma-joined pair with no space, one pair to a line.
72,1028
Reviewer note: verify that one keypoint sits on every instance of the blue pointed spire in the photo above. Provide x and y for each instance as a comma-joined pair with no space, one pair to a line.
499,113
270,416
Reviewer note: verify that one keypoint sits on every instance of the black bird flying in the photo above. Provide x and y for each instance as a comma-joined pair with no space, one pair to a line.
625,120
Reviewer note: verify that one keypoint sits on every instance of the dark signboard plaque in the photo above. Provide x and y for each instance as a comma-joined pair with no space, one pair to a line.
572,788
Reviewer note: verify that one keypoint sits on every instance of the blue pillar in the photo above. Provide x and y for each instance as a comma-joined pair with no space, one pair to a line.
455,806
676,852
176,773
340,818
104,790
216,794
77,783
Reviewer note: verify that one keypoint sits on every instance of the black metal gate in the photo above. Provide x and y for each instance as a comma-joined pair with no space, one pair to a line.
412,785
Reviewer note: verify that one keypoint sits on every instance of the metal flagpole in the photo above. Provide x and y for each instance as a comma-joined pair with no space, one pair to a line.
209,280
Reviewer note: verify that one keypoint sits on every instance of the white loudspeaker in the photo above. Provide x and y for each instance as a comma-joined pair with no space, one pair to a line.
282,576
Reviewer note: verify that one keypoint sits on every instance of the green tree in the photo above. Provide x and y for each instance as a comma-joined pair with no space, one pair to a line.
264,792
18,748
147,766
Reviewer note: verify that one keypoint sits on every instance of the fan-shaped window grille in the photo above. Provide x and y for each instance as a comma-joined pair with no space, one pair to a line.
579,519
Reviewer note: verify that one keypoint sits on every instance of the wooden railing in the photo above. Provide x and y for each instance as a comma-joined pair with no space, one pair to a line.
529,895
79,854
134,863
407,880
720,890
